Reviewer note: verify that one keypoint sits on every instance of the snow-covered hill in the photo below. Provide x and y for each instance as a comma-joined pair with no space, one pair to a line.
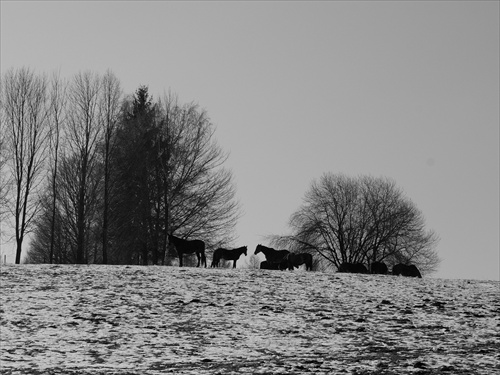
160,320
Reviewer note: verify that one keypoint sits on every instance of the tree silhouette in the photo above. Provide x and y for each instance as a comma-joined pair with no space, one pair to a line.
25,116
364,219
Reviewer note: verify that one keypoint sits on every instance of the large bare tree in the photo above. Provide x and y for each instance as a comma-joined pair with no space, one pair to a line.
4,174
25,112
361,219
109,109
201,194
57,121
84,129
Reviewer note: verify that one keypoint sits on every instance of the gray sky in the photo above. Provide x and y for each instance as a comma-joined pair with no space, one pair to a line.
407,90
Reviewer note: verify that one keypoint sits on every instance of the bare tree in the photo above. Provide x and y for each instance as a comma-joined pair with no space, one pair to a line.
57,121
200,193
364,219
83,131
109,109
25,106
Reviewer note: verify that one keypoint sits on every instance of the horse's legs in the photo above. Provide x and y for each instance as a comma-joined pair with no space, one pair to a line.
180,259
199,259
234,263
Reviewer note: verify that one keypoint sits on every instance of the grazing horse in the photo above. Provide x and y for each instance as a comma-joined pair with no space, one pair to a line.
406,270
272,256
233,255
265,265
378,268
352,268
295,260
188,247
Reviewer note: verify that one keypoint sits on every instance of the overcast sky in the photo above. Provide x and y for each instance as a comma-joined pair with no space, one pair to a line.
407,90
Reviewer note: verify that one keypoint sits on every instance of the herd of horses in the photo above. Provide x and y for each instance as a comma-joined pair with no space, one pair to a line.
279,259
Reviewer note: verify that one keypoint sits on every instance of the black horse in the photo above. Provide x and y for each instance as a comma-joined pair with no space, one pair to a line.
295,260
188,247
352,268
378,268
272,256
406,270
265,265
233,255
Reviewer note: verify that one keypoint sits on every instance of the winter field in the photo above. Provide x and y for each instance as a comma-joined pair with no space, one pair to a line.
160,320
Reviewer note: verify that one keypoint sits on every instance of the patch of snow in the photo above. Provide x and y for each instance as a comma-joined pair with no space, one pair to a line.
157,320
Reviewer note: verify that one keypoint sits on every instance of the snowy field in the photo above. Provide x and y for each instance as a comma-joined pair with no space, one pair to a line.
161,320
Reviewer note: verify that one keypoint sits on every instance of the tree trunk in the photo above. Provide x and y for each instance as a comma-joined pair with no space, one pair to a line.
53,222
19,244
80,223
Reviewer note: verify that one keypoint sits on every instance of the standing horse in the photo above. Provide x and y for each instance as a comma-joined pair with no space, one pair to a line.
233,255
272,256
188,247
295,260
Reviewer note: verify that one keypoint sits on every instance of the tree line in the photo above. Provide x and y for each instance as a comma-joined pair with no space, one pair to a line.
95,176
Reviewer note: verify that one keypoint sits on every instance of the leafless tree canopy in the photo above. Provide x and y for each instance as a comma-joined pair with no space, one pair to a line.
110,112
200,191
361,219
107,178
58,117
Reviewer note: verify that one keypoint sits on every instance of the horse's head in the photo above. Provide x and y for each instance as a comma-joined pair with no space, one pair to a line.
245,250
258,249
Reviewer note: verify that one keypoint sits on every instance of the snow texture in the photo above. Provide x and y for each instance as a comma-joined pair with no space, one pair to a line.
161,320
